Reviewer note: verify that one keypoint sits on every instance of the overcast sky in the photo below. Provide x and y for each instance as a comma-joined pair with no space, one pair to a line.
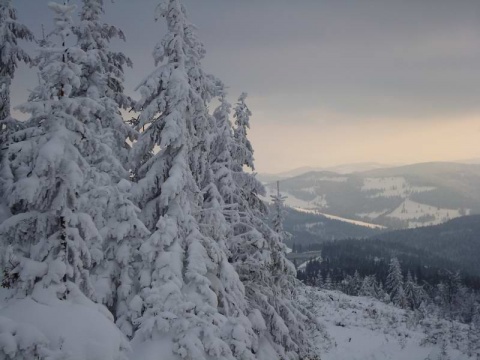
330,81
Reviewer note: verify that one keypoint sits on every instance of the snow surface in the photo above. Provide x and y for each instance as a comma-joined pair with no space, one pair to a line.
339,218
374,214
359,328
350,221
410,211
78,328
392,187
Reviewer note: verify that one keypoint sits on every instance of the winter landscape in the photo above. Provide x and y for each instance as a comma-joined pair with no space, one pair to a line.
138,220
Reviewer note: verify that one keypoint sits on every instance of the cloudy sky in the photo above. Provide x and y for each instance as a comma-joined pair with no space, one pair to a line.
329,81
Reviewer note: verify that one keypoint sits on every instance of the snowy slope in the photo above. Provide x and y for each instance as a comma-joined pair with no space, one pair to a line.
412,212
403,197
354,222
314,206
361,328
76,329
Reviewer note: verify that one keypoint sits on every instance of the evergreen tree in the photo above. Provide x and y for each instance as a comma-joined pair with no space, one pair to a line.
278,202
394,284
414,293
106,198
328,282
243,152
190,292
242,157
410,291
221,159
441,297
103,77
52,243
218,213
457,296
259,257
11,31
368,287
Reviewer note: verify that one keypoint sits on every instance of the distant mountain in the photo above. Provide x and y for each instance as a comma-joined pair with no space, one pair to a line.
356,167
340,169
400,197
298,171
267,178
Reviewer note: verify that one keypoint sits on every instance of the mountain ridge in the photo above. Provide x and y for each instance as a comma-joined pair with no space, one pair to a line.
408,196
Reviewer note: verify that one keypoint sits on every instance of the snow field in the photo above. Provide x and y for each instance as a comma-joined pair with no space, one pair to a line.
360,328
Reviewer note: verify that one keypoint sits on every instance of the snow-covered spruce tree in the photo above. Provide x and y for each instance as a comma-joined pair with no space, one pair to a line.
457,296
410,292
328,282
414,293
52,243
103,76
106,197
221,158
244,149
184,267
394,284
11,31
258,255
219,211
368,287
278,202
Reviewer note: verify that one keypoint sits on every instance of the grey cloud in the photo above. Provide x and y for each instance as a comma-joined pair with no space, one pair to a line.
364,58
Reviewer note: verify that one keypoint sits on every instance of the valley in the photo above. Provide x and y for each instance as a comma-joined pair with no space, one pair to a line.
392,198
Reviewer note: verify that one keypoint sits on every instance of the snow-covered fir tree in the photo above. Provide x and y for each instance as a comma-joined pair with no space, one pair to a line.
106,196
243,150
52,243
221,158
103,75
279,211
368,287
184,299
457,295
259,257
218,213
394,284
414,293
441,296
328,285
11,53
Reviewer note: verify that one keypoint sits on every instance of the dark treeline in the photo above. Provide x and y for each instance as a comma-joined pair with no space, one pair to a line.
410,287
371,257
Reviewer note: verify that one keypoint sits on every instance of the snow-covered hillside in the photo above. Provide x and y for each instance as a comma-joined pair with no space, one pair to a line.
359,328
412,212
392,186
405,197
43,327
314,207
